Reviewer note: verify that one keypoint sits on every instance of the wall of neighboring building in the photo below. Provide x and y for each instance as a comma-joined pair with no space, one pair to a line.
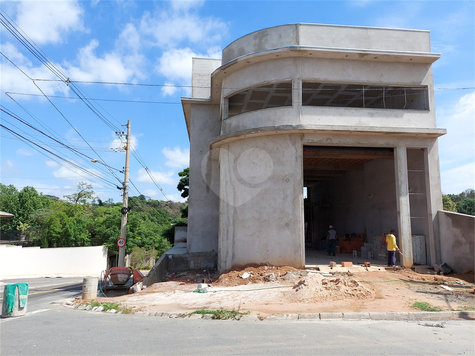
457,240
17,261
261,211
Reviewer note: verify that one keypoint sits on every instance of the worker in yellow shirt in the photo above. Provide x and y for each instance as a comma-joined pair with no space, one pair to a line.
392,248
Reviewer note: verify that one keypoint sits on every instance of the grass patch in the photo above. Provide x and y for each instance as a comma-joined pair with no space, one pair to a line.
109,306
221,314
424,306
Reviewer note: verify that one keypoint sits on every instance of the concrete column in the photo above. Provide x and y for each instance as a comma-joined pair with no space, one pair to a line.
403,207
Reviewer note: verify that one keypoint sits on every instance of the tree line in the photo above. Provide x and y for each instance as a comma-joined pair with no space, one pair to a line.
81,219
463,203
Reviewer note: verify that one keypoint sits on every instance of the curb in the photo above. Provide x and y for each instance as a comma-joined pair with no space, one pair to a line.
395,316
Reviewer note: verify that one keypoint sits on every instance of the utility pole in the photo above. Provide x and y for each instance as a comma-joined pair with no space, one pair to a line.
125,200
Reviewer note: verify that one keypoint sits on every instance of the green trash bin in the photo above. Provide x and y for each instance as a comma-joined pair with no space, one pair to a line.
15,297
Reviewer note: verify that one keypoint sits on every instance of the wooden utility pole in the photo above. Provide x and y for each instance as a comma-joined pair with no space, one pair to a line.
125,200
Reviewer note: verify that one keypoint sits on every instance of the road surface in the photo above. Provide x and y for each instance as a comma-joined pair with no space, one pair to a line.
50,329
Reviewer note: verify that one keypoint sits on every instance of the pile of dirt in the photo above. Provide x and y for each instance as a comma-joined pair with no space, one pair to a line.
316,288
257,274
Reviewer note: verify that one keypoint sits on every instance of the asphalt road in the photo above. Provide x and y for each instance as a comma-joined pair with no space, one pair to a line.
50,329
44,291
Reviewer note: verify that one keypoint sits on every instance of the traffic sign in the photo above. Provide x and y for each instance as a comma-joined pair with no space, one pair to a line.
121,242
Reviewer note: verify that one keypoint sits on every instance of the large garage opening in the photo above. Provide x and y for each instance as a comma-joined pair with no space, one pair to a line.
351,188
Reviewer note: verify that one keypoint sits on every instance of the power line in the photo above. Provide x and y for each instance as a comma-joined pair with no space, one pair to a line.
100,99
57,141
204,86
58,156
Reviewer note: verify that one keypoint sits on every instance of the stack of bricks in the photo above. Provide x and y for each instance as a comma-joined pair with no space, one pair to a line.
348,245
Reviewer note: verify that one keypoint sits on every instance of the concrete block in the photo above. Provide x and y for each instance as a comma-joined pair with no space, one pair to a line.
282,317
347,264
331,316
356,316
332,264
250,318
309,316
389,316
196,316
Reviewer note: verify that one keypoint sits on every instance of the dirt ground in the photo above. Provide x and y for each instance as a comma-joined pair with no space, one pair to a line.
266,290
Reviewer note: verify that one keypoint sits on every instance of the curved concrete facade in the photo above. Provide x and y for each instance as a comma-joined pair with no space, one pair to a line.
326,108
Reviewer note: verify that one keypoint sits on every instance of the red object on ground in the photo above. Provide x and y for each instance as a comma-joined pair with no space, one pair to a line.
138,276
119,275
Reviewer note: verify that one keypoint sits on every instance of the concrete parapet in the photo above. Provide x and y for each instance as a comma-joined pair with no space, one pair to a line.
158,271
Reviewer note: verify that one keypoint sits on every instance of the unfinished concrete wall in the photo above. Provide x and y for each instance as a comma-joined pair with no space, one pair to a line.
457,240
261,211
18,261
252,211
329,36
203,201
201,76
379,198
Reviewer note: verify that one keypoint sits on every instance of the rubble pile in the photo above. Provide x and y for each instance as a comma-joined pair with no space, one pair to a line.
316,288
257,274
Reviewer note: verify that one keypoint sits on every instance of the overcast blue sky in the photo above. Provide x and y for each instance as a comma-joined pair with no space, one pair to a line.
152,42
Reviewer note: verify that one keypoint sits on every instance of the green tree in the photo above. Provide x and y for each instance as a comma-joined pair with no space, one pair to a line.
184,183
83,194
466,206
448,203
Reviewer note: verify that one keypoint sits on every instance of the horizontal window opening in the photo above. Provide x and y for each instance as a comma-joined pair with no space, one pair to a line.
365,96
263,97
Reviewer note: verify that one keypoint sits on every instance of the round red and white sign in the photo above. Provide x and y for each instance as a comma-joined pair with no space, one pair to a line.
121,242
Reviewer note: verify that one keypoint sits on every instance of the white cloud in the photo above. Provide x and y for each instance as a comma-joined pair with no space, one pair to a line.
73,173
169,89
49,21
176,65
13,80
110,67
9,163
457,180
177,158
117,142
150,192
176,198
159,177
24,152
181,5
458,145
169,29
51,163
457,148
129,38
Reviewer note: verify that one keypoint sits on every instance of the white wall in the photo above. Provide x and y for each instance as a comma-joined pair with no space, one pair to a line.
17,261
457,240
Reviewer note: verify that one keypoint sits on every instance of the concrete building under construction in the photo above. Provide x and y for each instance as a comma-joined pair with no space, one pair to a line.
302,126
